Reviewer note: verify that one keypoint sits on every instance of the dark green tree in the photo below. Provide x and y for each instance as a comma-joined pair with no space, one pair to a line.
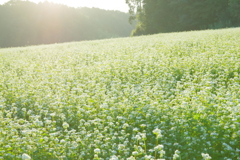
156,16
234,8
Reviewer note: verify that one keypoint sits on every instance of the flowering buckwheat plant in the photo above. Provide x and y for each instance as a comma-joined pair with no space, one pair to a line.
142,98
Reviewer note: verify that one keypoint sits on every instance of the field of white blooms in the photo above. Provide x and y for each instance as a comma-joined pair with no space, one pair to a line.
168,96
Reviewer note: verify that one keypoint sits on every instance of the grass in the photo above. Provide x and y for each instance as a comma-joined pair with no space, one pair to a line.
166,96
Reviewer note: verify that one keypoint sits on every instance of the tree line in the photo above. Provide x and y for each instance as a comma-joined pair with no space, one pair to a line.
25,23
159,16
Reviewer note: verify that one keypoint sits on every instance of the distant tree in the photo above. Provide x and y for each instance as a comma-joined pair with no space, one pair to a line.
156,16
234,8
135,9
13,2
27,23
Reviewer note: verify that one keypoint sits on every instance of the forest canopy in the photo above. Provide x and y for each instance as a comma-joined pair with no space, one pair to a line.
159,16
26,23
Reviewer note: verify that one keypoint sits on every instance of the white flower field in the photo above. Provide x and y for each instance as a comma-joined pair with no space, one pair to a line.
172,96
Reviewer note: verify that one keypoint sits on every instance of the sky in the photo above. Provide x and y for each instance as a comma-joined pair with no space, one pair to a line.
119,5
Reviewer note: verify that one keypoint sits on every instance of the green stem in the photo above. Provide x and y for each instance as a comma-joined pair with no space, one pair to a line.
145,146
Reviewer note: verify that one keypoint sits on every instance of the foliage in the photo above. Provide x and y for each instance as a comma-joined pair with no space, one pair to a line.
26,23
167,96
234,7
183,15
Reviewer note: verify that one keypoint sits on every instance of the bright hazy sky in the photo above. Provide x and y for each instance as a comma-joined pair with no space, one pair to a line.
104,4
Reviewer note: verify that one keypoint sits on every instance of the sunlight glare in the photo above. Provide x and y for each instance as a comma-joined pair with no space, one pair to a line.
103,4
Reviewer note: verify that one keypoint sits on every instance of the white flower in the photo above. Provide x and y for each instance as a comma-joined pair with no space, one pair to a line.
143,136
26,156
206,156
135,153
114,158
147,157
97,150
121,147
62,141
24,109
74,144
131,158
158,147
162,152
135,129
177,152
138,137
157,132
65,125
125,125
175,156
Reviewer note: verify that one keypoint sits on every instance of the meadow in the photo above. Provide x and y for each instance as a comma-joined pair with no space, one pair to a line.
173,96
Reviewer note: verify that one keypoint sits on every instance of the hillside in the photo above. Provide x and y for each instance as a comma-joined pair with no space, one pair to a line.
25,23
165,96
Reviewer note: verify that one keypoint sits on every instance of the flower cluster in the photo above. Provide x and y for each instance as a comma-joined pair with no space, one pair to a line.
169,96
